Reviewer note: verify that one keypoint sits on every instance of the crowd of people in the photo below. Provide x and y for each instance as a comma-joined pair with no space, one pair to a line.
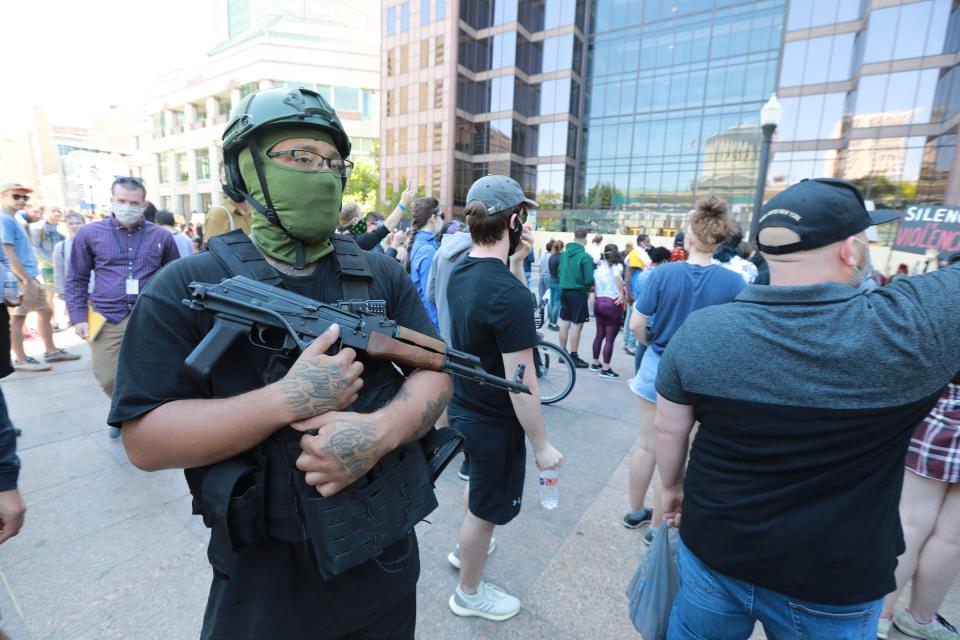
650,292
788,478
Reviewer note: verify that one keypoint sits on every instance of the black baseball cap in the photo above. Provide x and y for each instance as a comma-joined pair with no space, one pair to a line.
821,211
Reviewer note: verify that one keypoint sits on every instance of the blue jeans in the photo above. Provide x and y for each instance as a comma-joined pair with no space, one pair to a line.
629,340
638,356
554,302
713,606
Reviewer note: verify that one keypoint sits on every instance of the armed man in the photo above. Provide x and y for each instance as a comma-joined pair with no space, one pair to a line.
299,540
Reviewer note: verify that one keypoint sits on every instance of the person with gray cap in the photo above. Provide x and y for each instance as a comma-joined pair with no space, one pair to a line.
788,510
492,315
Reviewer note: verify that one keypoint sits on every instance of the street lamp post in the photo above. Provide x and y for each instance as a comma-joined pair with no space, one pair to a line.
769,119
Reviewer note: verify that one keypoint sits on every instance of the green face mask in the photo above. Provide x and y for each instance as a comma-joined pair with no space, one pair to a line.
307,202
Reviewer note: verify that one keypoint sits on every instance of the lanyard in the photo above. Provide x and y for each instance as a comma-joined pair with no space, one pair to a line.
131,257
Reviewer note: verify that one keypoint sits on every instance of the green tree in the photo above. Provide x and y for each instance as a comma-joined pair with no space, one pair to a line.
549,199
602,195
363,184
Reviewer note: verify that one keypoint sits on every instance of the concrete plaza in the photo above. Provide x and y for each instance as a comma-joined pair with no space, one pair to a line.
108,551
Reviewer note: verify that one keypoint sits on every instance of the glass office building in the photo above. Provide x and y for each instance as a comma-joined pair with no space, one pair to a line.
519,95
623,113
871,94
483,86
674,93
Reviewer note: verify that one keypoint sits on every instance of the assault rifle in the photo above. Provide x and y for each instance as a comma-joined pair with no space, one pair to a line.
248,308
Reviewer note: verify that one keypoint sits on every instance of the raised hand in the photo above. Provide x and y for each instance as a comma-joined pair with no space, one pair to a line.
408,195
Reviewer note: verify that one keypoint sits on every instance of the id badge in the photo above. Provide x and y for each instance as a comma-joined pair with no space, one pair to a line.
133,287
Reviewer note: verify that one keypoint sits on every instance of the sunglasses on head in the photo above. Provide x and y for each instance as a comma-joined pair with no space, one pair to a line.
134,180
22,197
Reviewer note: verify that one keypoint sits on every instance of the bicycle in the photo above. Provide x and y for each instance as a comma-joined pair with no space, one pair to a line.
556,373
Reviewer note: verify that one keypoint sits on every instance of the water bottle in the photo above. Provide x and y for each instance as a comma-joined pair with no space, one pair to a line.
549,489
11,287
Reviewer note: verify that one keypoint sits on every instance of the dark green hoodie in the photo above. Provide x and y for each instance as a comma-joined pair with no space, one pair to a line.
576,268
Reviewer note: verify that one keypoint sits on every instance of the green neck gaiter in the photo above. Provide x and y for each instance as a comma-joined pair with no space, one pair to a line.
307,202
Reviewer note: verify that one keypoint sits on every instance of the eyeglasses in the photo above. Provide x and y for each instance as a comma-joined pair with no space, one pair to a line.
310,161
22,197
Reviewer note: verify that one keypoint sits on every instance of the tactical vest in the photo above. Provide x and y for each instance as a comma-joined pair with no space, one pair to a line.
260,495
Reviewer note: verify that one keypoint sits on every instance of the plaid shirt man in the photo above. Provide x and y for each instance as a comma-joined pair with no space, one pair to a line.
116,255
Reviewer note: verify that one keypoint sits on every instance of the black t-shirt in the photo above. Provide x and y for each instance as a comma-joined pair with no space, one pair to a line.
795,474
553,265
162,332
490,314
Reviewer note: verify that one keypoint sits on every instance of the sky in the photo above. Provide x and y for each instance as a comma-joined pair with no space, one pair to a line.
77,57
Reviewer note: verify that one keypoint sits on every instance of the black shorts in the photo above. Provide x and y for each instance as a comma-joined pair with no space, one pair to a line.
497,462
573,306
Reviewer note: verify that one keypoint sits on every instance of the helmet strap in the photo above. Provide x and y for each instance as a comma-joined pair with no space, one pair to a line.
268,211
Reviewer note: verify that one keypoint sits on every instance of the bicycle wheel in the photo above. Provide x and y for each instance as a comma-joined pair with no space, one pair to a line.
555,372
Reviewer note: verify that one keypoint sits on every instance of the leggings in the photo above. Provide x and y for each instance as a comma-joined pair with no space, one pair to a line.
609,318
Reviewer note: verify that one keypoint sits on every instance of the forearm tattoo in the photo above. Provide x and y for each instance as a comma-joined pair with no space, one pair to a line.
431,412
353,447
311,388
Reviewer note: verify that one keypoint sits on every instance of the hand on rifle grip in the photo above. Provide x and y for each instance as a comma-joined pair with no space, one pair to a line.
318,383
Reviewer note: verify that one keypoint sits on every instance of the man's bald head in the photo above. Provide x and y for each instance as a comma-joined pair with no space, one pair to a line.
846,262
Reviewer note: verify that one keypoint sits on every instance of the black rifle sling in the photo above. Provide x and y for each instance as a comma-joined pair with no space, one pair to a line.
355,275
238,255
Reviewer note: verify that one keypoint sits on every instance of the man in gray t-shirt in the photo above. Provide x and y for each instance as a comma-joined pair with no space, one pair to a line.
790,497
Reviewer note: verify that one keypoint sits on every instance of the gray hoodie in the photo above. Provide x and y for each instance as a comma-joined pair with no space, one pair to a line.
452,248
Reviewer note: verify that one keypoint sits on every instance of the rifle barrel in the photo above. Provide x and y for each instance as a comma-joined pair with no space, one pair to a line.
480,376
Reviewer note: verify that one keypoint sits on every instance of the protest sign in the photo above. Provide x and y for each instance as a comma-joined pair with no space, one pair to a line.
925,227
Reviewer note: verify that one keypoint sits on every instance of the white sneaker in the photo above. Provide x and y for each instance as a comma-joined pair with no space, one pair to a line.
883,628
936,629
454,556
490,602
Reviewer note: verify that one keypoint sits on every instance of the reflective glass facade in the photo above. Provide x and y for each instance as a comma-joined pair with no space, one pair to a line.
674,93
623,113
870,94
499,83
519,94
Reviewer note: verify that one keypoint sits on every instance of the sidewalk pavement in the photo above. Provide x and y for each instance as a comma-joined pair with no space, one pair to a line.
109,551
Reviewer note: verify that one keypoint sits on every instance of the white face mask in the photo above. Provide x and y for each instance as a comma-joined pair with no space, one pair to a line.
127,214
